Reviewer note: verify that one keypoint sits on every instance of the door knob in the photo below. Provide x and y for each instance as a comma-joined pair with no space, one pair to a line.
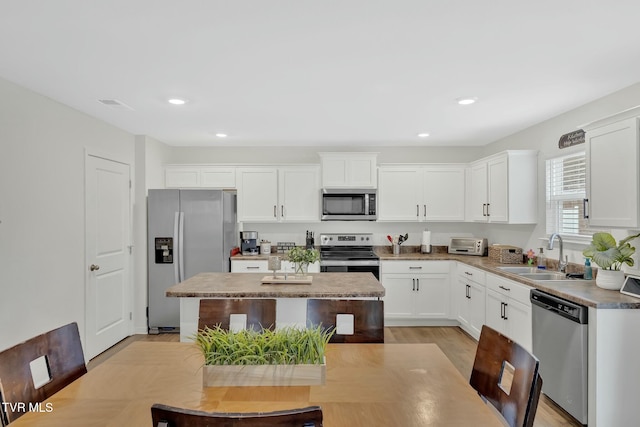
94,267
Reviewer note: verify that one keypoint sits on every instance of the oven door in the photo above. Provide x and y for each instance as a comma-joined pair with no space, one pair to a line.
375,269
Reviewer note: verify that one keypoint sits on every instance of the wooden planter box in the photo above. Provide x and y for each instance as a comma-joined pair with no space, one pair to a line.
263,375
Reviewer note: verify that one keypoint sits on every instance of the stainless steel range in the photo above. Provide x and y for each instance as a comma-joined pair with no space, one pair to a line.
348,253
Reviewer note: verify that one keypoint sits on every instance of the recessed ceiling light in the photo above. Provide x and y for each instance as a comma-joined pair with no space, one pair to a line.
176,101
221,135
466,100
423,135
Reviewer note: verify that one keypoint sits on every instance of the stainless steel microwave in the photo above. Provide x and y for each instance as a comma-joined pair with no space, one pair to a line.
349,205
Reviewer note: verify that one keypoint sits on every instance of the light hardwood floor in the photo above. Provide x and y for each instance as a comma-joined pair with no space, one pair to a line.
455,343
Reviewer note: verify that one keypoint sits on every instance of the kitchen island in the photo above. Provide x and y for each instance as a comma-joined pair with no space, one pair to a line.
291,299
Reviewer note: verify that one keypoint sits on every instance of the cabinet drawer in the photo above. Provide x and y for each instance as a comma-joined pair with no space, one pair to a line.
514,290
248,266
471,273
414,267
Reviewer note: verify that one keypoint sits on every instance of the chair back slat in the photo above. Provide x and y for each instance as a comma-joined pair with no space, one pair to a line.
261,313
169,416
506,375
368,318
65,361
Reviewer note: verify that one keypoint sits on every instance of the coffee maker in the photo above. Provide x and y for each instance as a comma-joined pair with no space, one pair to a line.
249,243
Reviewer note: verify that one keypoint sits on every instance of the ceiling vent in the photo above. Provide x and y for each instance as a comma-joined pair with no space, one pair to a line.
114,103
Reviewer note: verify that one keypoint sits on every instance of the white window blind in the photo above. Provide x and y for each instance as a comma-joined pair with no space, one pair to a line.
566,191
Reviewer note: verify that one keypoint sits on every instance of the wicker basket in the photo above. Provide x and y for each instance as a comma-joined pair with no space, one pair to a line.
505,254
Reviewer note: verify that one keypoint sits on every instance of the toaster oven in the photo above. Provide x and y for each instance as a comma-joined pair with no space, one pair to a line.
468,246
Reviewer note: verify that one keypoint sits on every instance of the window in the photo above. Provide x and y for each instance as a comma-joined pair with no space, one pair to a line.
566,191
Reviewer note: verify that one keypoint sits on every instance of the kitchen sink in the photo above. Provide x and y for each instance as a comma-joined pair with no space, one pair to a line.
522,270
545,276
538,274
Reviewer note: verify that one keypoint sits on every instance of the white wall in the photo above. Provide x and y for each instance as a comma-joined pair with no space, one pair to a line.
42,154
151,155
544,137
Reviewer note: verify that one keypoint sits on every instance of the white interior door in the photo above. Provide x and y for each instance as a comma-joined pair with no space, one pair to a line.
108,280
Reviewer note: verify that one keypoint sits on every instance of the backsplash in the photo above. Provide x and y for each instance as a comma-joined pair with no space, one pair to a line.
296,232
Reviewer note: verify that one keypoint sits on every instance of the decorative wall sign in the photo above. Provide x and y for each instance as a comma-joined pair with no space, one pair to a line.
570,139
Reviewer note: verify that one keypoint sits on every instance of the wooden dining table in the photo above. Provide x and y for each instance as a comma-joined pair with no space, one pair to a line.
366,385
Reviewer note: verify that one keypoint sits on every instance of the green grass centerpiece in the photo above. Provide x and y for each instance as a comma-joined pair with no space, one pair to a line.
286,356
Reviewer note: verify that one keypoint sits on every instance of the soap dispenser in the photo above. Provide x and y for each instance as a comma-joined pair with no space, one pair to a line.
542,261
588,270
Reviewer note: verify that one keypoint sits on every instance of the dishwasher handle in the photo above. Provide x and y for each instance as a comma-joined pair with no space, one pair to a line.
575,312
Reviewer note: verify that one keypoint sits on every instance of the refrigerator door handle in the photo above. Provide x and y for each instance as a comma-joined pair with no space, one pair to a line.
176,257
181,247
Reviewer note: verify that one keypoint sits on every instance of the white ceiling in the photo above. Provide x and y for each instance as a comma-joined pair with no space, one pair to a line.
323,72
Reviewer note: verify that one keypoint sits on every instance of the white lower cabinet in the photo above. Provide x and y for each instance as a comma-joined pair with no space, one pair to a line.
470,299
416,289
508,309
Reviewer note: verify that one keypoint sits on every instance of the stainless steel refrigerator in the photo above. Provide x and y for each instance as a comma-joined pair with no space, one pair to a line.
189,232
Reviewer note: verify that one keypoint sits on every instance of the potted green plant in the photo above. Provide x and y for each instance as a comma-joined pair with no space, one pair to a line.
302,257
610,257
286,356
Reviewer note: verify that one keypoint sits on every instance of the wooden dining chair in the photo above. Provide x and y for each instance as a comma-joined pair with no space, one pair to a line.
506,375
32,371
354,321
169,416
260,313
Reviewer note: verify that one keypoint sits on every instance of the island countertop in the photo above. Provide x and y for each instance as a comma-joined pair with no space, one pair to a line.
249,285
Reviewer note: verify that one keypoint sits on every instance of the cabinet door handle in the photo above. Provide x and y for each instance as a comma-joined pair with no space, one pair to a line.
484,209
282,211
585,208
468,290
417,284
414,284
502,310
418,210
425,211
488,204
275,211
505,311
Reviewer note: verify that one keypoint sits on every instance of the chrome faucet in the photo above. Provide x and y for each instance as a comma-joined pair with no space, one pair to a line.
562,263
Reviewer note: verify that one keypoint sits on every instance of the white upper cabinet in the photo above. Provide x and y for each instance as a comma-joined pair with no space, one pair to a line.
443,195
199,176
299,193
349,170
399,193
257,194
278,194
612,173
421,193
503,188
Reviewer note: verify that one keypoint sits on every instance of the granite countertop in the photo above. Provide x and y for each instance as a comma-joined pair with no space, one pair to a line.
259,257
248,285
583,292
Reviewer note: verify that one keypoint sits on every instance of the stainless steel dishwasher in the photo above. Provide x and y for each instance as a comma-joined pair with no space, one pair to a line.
560,341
